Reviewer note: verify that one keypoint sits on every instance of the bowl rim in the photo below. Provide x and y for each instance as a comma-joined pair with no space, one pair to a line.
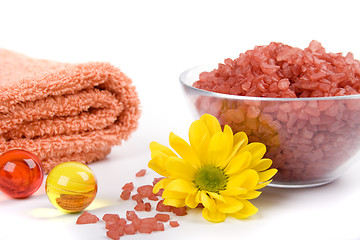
202,68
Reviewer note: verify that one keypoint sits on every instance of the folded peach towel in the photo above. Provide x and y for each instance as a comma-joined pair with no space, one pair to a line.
64,112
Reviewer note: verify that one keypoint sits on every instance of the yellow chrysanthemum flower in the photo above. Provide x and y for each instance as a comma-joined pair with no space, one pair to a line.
217,169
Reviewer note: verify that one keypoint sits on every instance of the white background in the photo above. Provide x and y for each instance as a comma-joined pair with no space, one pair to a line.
153,42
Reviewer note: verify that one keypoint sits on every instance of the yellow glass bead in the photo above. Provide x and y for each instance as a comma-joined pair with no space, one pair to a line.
71,186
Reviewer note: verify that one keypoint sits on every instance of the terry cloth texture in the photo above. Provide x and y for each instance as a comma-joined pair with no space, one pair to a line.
64,112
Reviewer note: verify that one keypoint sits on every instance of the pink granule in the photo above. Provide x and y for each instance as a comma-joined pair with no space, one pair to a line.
132,224
279,70
87,218
141,173
308,140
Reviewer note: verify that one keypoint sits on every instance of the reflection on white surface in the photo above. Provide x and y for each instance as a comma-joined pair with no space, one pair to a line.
46,213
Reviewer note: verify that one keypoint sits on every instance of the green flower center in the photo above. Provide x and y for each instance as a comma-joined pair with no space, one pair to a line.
211,179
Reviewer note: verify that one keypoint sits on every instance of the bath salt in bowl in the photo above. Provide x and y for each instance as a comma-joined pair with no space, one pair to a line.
311,136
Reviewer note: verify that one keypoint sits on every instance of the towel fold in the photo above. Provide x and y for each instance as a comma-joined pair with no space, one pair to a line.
64,112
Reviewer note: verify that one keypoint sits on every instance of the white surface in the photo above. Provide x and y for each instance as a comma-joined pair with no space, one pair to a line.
153,42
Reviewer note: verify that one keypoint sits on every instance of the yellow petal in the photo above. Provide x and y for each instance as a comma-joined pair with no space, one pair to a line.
247,211
230,139
239,140
184,150
239,163
181,186
229,133
231,205
247,179
264,164
157,148
216,196
218,149
261,185
175,202
233,191
157,164
207,201
190,200
178,168
250,195
266,175
175,195
161,184
198,197
257,151
211,123
199,138
213,216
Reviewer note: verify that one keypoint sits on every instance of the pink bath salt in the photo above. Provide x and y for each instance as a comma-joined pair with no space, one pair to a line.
159,193
140,207
162,217
283,84
265,118
116,232
153,197
252,112
312,109
125,195
145,190
113,219
160,207
159,227
136,197
141,173
353,104
181,211
282,116
146,228
147,207
87,218
149,220
156,180
282,71
130,229
128,186
174,224
136,221
131,215
305,133
285,107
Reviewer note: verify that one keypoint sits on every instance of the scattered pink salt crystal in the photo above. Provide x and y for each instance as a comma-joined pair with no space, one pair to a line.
141,173
128,186
145,190
140,207
160,207
146,228
87,218
162,217
174,223
125,195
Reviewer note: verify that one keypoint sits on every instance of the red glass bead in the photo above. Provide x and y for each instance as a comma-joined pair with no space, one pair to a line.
21,173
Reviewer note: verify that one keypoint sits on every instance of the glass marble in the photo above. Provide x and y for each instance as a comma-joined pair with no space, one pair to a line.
21,173
71,186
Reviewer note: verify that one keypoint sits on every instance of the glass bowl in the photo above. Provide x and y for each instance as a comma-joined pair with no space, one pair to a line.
312,141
